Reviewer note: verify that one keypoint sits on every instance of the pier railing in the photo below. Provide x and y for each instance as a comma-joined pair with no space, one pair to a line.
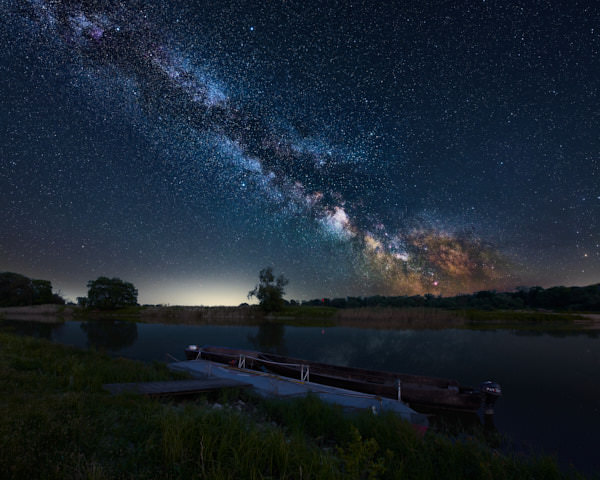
303,367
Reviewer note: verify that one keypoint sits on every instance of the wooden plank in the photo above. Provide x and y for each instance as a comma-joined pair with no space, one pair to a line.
174,387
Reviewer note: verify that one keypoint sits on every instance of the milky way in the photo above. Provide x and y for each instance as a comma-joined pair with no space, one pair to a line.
305,178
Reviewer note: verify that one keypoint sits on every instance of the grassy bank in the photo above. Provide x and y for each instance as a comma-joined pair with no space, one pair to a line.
57,422
323,316
438,318
395,318
305,316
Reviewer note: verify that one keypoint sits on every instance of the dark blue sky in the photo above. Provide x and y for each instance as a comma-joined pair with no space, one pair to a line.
356,148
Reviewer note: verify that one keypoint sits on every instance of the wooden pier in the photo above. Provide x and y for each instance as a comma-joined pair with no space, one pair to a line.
174,387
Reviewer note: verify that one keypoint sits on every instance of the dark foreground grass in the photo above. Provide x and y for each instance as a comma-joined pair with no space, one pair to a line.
57,422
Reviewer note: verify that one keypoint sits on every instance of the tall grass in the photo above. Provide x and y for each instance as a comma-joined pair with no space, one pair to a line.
518,316
437,318
56,421
393,318
203,315
316,316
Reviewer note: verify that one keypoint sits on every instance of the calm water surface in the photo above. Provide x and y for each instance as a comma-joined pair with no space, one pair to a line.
551,382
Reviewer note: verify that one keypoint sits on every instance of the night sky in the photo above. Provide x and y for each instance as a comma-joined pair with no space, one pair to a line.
358,148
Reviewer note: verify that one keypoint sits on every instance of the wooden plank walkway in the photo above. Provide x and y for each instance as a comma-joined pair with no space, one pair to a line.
174,387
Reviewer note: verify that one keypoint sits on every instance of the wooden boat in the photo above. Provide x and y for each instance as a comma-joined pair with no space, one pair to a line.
416,390
269,385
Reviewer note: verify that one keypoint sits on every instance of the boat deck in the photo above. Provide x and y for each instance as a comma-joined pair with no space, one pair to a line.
267,384
175,387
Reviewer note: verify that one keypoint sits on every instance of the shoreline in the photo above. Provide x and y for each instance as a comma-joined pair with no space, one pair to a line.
384,318
73,427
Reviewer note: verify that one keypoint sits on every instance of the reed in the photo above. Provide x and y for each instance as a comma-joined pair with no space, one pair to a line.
520,316
437,318
400,318
317,316
243,315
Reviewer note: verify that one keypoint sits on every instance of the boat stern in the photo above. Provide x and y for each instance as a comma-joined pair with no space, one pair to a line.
490,393
192,352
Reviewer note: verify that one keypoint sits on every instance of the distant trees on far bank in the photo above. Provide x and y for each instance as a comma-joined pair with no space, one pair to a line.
17,290
554,298
269,290
113,293
109,293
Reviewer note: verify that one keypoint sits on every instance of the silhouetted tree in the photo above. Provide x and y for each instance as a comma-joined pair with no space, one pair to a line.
109,293
42,291
19,290
15,290
269,290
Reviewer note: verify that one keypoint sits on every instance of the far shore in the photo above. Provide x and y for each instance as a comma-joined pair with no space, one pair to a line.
38,313
365,317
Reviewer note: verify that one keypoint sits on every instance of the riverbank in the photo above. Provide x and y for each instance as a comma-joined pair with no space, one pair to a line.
57,422
409,318
39,313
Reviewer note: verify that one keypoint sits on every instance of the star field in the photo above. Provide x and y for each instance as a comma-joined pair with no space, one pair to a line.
357,148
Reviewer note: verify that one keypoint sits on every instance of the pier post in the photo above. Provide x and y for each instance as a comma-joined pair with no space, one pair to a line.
304,373
399,391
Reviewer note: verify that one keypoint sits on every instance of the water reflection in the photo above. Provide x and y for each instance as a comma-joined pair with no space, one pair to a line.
549,379
269,338
44,329
558,333
110,335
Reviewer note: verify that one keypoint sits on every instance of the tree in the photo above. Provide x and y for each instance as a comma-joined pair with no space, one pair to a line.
109,293
15,290
42,291
19,290
269,290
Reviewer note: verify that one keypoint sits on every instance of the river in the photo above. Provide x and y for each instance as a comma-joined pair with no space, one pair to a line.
550,381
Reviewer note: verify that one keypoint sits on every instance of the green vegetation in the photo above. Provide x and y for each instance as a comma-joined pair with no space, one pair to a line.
309,312
304,316
511,316
57,422
414,318
132,313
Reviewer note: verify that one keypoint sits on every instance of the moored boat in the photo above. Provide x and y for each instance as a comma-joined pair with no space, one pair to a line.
416,390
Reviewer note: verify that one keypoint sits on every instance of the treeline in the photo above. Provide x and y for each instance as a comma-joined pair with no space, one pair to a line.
104,293
555,298
17,290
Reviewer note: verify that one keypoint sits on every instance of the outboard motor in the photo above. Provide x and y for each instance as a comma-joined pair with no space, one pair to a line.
490,392
192,352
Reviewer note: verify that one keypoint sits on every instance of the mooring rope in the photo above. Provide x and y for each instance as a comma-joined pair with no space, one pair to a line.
314,386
